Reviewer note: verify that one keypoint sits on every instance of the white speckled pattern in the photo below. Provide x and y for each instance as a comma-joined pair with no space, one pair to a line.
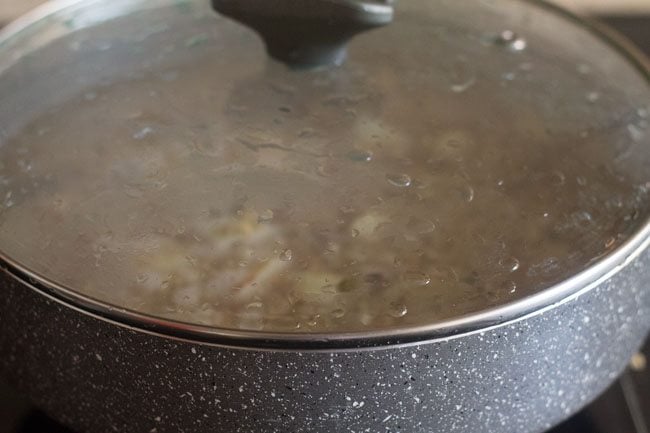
522,377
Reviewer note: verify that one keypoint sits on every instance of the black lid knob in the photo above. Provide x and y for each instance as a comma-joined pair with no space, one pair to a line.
308,33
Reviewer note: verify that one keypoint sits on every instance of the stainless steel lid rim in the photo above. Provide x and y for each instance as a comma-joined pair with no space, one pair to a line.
477,323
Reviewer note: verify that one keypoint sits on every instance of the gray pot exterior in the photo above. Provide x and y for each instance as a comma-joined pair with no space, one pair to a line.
522,377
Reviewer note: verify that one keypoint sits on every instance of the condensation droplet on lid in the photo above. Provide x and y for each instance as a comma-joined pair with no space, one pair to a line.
355,233
421,227
558,178
141,278
143,133
338,313
511,41
592,97
642,112
399,180
397,310
509,76
581,181
266,216
635,132
610,242
509,286
313,320
328,288
133,191
360,155
462,75
196,40
255,305
417,278
90,96
510,264
286,255
583,218
468,194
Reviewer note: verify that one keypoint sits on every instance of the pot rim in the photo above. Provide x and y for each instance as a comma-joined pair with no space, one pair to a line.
550,298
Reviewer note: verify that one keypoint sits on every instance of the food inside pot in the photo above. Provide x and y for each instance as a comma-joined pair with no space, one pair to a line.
209,186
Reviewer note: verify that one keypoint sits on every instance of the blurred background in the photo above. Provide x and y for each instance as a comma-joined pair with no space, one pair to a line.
12,8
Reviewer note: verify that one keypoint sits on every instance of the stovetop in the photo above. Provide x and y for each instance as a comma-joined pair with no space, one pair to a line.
624,408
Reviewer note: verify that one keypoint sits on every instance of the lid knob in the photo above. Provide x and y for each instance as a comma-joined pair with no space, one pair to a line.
308,33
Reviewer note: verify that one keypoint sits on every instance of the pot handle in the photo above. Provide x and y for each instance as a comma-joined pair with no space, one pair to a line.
308,33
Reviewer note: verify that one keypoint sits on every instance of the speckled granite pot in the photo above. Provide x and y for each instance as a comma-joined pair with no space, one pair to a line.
520,368
523,376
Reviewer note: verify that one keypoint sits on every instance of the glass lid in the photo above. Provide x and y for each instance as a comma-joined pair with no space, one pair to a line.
464,157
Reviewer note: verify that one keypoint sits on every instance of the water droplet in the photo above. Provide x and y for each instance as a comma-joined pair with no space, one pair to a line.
509,76
133,191
90,96
509,286
242,264
468,194
421,226
417,278
166,283
581,181
610,242
196,40
328,288
266,216
583,218
355,233
462,75
511,41
141,278
143,133
286,255
592,97
558,178
255,305
338,313
397,310
510,264
635,132
360,155
399,180
191,260
313,320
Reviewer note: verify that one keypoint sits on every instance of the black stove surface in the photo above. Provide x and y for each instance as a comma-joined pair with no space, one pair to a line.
624,408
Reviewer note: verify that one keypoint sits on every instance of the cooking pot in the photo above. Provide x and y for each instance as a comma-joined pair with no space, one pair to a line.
320,215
